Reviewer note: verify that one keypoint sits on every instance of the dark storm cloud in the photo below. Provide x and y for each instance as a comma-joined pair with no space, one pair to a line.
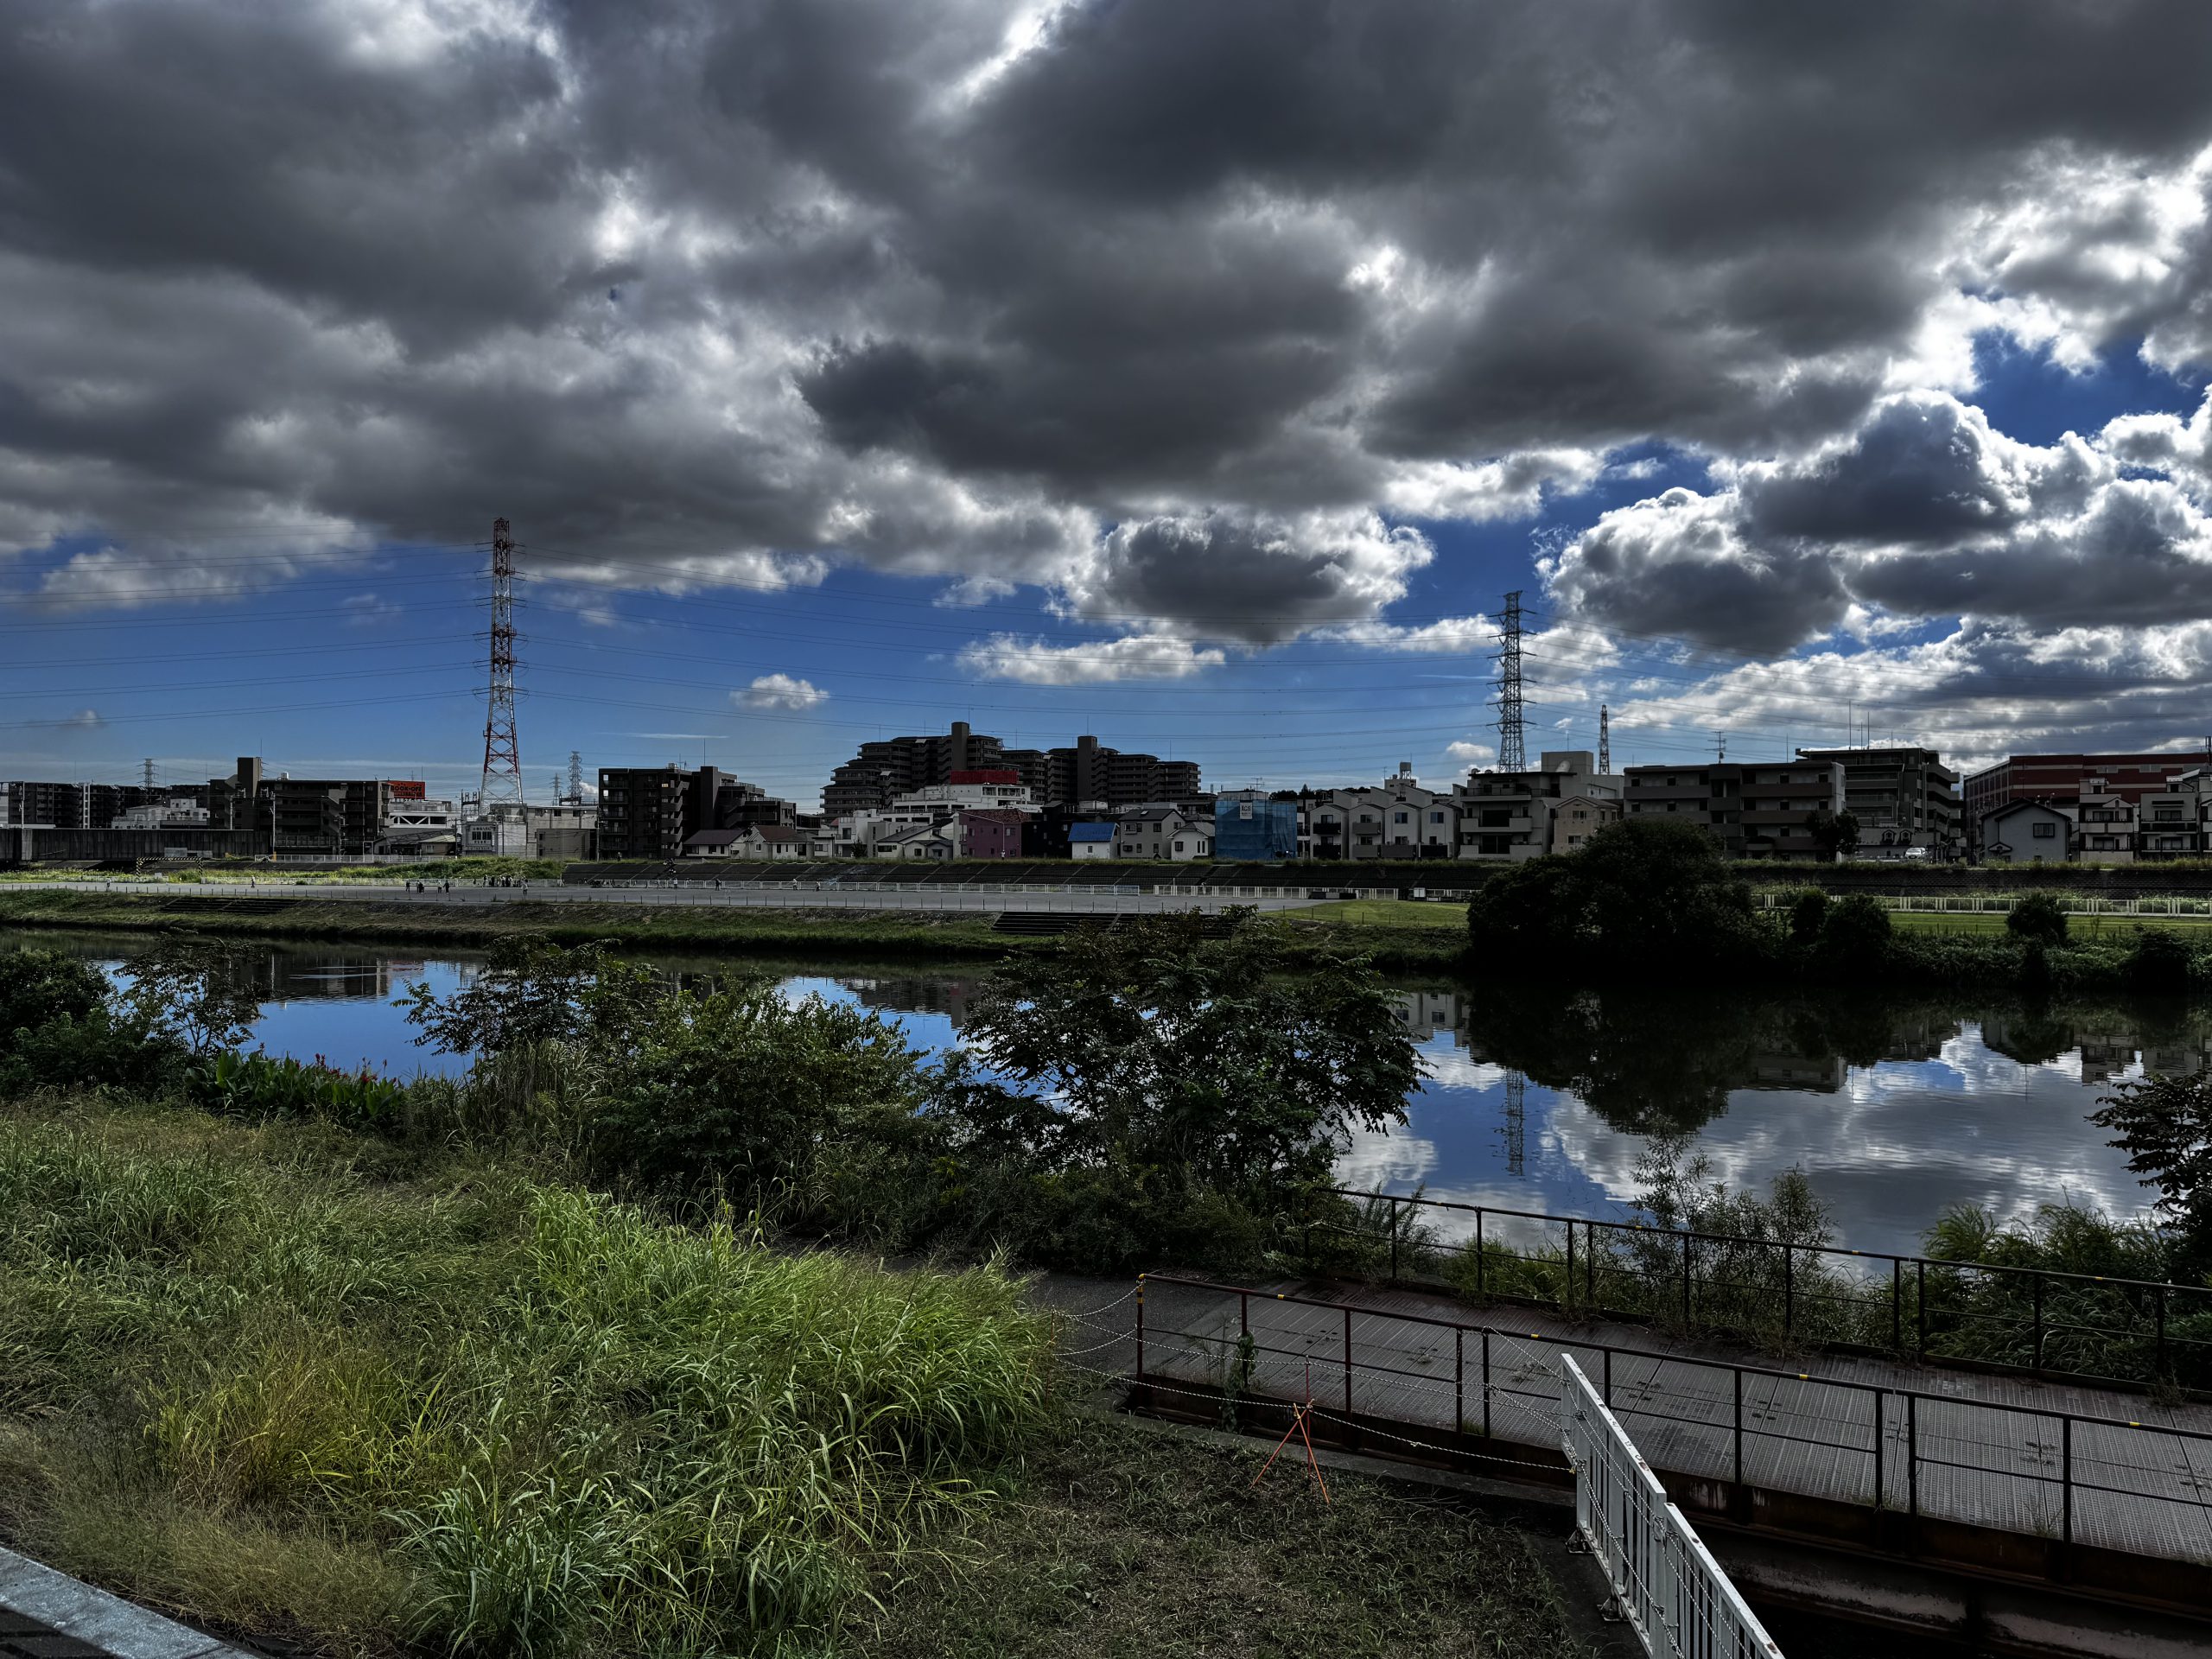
1153,304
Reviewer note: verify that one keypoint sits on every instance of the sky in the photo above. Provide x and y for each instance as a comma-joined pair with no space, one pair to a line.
1202,377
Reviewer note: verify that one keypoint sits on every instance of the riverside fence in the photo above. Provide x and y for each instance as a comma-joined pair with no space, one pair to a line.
2116,1507
2036,1321
1664,1580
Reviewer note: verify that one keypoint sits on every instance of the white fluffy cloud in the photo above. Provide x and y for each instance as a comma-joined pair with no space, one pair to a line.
1134,657
779,691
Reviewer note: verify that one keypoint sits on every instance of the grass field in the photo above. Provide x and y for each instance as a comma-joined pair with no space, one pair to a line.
1386,913
2080,929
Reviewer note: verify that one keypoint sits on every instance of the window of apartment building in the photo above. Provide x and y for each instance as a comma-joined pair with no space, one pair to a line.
1436,817
1400,818
1670,806
2044,831
1497,818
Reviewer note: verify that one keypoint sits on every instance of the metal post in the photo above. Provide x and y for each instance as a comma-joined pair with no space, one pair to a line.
1789,1291
2066,1475
1478,1252
1738,1373
1347,1361
1685,1281
2037,1365
1566,1291
1896,1305
1458,1381
1485,1382
2158,1353
1912,1454
1140,1327
1609,1379
1243,1314
1394,1241
1920,1268
1881,1433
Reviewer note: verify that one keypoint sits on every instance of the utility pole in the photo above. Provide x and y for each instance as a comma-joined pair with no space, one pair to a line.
502,783
1720,746
1604,742
1512,748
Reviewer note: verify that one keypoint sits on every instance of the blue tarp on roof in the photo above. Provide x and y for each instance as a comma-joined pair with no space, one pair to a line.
1090,832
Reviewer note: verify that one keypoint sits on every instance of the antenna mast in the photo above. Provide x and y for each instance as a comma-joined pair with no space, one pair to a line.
1512,749
1604,742
501,789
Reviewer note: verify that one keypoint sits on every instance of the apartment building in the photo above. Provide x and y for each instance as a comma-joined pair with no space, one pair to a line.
1250,828
1396,819
1755,809
2176,821
1577,817
1904,797
1084,771
1508,816
2067,776
2104,828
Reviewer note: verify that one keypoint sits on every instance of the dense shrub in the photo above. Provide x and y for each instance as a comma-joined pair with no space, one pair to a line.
2037,918
1855,935
37,986
256,1087
1646,894
1808,911
741,1090
2161,961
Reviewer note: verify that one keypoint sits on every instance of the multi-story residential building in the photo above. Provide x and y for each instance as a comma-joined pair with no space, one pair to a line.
1903,797
991,832
327,817
2066,777
2104,828
1396,819
651,812
1755,809
1575,818
1507,816
1250,828
2176,821
1085,772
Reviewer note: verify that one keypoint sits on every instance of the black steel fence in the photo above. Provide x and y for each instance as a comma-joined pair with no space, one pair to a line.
2040,1322
1444,1388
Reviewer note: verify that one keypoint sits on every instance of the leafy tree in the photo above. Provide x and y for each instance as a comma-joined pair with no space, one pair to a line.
1647,890
742,1090
2165,1126
1153,1046
1855,934
2037,918
1836,834
39,986
201,995
1806,913
531,991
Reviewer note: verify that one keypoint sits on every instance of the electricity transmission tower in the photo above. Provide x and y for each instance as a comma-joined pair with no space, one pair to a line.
501,790
1512,749
1604,742
1516,1125
149,772
575,777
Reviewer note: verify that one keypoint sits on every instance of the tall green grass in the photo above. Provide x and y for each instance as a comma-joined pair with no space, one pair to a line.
288,1381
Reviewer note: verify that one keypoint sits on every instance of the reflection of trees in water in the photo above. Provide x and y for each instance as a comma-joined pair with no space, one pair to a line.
1652,1064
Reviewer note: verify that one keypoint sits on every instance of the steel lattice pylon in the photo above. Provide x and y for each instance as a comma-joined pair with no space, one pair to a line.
502,785
1512,751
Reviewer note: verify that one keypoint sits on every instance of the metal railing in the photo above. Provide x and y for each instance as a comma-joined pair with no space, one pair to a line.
1665,1582
2040,1322
2141,1488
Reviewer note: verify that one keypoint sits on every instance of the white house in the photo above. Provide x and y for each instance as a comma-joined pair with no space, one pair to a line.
2027,832
1093,839
1147,832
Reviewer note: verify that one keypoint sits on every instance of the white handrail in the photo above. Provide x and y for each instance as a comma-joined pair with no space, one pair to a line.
1665,1582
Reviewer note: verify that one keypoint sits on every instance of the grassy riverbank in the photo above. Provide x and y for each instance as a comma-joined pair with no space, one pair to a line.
292,1382
1397,935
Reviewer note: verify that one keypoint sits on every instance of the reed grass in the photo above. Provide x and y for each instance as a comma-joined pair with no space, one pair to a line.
261,1377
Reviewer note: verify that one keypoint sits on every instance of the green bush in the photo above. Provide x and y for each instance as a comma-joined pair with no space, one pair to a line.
1855,935
39,986
1808,912
2037,918
256,1087
2161,961
742,1090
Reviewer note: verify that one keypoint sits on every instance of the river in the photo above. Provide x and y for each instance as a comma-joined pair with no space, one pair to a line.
1895,1108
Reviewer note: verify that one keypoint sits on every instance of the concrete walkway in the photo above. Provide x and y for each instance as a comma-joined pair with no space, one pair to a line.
1992,1451
48,1615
